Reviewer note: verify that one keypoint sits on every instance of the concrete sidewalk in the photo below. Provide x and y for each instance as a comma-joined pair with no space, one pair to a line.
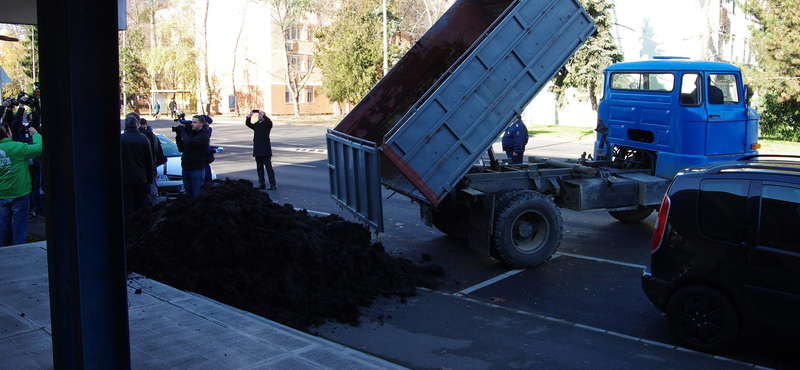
169,328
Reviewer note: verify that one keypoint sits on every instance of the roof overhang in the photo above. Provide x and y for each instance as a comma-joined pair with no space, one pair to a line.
24,12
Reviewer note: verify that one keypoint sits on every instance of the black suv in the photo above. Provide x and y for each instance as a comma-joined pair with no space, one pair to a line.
726,251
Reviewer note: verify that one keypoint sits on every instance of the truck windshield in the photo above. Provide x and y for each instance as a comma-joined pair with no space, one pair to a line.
661,82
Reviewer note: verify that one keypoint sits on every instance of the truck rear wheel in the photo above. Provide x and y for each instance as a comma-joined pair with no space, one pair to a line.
632,215
527,229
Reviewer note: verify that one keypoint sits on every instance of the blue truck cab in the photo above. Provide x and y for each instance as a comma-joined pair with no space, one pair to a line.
672,113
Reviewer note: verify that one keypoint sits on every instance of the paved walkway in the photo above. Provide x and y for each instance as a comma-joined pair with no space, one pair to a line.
169,328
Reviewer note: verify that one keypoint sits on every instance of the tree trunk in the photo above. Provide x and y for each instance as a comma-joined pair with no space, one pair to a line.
592,95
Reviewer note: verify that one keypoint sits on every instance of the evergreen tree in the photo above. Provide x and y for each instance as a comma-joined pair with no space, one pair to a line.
133,73
776,44
350,50
584,71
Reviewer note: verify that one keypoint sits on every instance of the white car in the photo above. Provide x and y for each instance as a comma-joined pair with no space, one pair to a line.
169,180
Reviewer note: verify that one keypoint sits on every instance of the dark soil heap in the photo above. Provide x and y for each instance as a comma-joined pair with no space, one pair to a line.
234,245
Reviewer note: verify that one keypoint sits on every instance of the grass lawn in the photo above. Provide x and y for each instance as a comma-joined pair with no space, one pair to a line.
569,132
769,146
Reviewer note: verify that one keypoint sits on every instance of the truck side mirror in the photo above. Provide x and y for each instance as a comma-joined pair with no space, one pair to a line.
747,95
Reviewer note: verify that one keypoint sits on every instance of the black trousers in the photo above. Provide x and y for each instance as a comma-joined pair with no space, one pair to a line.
261,163
134,198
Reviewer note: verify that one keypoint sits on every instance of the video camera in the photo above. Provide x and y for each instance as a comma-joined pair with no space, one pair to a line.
31,100
181,119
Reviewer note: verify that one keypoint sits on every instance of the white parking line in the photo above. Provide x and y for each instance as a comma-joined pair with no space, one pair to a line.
282,148
556,255
314,212
592,328
596,259
293,164
487,282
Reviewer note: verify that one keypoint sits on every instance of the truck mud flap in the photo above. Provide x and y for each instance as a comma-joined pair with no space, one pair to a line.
355,177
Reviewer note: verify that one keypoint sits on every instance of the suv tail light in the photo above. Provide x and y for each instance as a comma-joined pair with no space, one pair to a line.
661,223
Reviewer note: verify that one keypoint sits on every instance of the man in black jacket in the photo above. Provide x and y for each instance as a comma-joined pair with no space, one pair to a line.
158,157
193,160
137,166
262,149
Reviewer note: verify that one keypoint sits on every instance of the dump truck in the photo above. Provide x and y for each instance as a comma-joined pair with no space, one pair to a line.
427,128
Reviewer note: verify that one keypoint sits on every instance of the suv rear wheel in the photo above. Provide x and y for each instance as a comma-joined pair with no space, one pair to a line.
702,318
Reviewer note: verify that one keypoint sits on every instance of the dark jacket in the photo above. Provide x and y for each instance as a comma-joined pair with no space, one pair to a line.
155,147
137,162
195,145
261,144
515,137
19,132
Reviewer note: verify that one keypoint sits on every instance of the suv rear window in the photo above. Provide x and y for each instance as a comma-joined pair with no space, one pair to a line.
780,218
721,209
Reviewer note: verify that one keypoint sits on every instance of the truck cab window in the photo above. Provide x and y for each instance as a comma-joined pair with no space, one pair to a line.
661,82
690,89
722,89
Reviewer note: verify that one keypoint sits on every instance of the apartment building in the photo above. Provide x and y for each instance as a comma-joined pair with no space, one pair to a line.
248,59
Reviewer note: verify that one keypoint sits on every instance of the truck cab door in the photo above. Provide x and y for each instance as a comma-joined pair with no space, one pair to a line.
727,117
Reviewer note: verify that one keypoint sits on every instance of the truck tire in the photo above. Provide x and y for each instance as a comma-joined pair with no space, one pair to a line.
632,215
527,229
452,220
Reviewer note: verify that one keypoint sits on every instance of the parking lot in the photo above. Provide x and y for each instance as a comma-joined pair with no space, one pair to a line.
583,309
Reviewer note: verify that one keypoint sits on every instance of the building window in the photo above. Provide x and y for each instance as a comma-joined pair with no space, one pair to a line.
288,95
309,63
310,33
310,94
294,62
293,33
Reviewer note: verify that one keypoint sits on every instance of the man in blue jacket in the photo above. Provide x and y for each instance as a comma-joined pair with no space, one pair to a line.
514,140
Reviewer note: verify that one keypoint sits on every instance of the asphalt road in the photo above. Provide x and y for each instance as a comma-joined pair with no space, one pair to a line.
584,309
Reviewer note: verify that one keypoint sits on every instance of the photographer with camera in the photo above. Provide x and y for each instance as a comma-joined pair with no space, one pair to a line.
262,148
15,185
193,141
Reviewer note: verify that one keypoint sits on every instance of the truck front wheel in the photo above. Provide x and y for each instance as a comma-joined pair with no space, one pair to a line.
527,229
632,215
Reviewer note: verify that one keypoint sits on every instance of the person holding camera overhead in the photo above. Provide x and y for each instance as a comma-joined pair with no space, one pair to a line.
193,142
262,149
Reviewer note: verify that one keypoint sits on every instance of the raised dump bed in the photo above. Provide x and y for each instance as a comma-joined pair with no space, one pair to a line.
444,104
